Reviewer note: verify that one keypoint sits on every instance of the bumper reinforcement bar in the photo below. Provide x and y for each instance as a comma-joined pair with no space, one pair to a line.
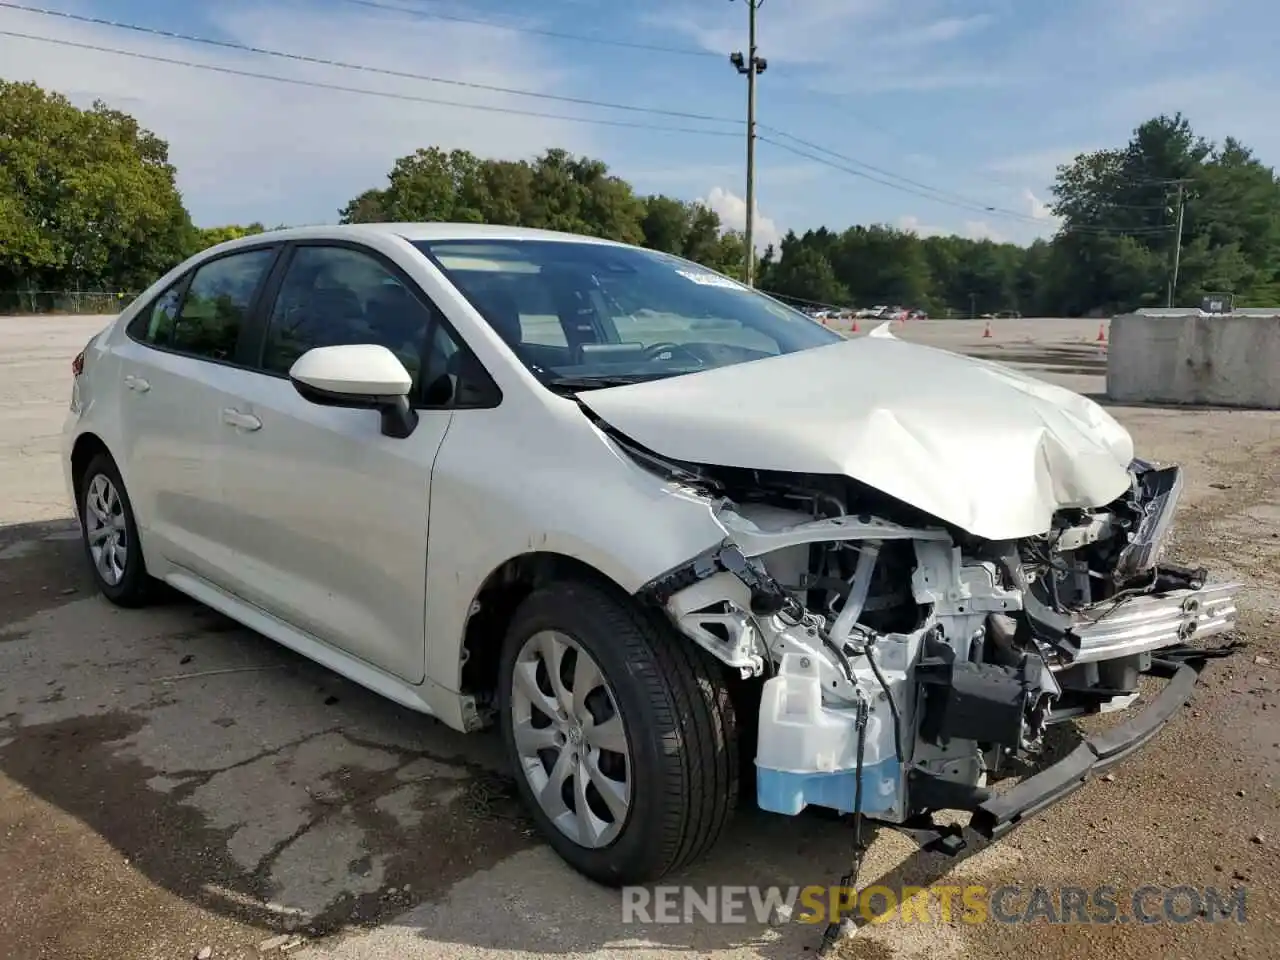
997,815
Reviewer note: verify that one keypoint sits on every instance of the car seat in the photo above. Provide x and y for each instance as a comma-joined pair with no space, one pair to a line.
395,317
499,308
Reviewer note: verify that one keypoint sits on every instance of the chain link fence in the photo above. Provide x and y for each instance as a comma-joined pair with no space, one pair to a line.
65,302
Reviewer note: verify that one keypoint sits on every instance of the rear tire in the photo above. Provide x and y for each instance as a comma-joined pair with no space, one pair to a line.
669,764
110,535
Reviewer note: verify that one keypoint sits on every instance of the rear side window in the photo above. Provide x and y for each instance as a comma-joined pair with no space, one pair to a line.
217,304
154,325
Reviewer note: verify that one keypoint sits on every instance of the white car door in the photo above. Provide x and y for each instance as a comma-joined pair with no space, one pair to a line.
331,516
173,364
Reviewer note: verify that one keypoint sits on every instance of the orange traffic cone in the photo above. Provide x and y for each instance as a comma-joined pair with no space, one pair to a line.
1102,334
986,332
855,325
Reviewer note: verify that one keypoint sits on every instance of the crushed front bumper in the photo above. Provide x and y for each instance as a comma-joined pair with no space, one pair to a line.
999,814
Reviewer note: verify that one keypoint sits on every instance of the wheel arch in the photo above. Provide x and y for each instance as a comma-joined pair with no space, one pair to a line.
495,603
87,446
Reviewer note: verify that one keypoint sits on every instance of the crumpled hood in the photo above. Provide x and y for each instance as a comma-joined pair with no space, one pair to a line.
978,445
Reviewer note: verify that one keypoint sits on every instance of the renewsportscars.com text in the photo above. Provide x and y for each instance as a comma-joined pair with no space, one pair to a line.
972,904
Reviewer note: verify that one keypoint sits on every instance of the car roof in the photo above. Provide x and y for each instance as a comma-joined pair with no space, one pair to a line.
413,232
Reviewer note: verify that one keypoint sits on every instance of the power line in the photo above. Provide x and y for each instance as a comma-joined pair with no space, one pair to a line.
927,193
320,85
363,68
801,300
960,198
1003,181
906,184
537,31
964,205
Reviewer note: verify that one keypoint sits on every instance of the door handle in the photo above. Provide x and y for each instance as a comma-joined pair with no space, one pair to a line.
136,384
241,421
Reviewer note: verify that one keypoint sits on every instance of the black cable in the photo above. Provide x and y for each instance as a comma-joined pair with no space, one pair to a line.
974,206
977,205
386,94
364,68
538,31
850,879
893,705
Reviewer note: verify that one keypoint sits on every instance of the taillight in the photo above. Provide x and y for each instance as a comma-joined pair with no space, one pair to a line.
77,365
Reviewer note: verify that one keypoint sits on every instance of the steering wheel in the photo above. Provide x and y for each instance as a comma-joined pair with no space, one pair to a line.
655,350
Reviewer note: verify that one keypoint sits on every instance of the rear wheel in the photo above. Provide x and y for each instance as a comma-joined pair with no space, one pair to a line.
110,535
621,733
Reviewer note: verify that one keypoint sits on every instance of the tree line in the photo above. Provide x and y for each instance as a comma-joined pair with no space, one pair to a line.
89,200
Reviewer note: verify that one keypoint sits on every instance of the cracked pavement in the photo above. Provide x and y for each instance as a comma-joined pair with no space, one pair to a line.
170,781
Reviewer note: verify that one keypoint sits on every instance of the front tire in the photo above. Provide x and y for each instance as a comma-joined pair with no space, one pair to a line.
110,535
621,733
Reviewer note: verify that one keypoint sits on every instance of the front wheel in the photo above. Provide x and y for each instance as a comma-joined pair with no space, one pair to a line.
621,733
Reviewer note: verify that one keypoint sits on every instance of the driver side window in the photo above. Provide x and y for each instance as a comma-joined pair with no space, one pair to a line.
332,296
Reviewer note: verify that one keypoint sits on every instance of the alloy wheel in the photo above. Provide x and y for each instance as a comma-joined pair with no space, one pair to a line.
570,739
105,529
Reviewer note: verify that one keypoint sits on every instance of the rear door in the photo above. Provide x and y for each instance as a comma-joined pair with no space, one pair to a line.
329,516
174,365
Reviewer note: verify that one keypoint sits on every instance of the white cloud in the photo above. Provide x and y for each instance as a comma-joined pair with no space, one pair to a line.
972,229
883,78
674,177
936,31
981,230
1148,25
815,31
912,224
810,32
1037,208
733,214
1039,166
250,149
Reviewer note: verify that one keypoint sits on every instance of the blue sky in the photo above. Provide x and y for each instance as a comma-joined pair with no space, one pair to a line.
979,99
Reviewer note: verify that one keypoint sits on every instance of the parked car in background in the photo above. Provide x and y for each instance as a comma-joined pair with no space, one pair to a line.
577,490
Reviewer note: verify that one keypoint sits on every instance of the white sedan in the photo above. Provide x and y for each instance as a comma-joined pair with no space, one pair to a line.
671,535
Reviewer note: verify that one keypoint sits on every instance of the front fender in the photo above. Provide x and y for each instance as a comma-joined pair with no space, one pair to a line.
496,496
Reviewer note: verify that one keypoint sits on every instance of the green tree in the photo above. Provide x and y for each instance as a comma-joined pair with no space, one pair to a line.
205,237
87,197
1116,251
1113,251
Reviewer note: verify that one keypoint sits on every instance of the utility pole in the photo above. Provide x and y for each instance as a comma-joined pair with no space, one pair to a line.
750,66
1181,204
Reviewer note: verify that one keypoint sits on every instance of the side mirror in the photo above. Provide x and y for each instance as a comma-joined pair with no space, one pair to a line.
363,376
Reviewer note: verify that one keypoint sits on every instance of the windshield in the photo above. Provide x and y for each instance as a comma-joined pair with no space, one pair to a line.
582,315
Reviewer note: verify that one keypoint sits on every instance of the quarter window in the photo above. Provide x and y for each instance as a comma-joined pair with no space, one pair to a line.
453,377
333,296
216,305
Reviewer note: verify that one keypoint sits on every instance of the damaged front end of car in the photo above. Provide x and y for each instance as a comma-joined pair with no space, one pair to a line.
905,664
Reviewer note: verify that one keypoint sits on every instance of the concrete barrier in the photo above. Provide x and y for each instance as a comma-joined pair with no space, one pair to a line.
1183,356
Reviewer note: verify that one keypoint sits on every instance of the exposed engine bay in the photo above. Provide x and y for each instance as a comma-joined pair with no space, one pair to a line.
904,662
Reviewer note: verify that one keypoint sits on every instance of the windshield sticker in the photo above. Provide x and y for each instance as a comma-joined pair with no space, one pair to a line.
710,280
